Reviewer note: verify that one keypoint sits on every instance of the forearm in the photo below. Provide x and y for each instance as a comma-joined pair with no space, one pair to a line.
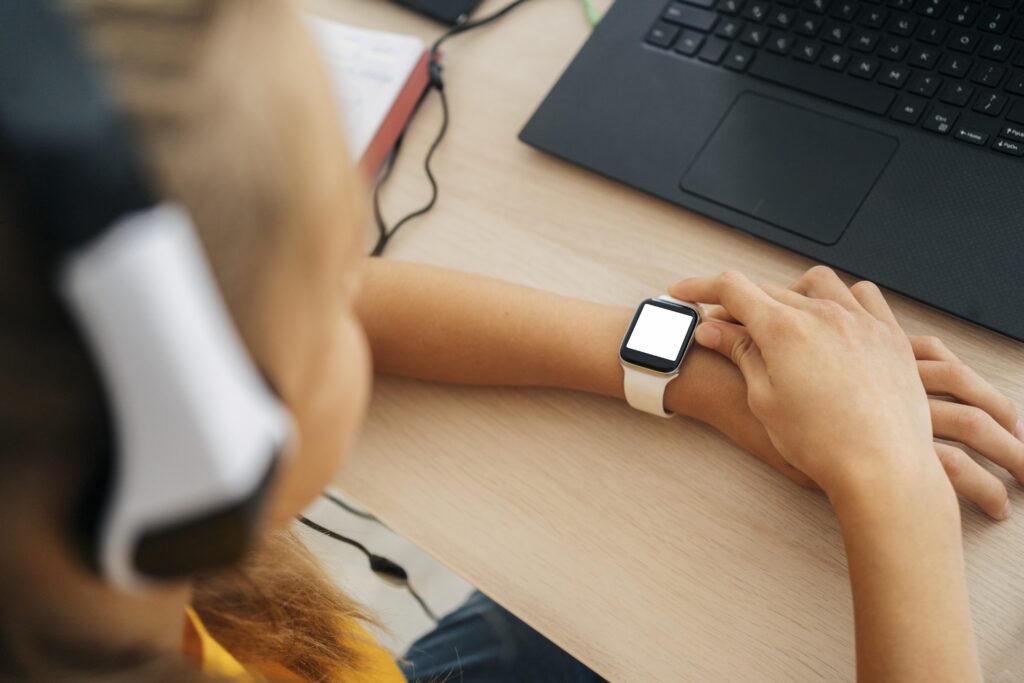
903,546
441,325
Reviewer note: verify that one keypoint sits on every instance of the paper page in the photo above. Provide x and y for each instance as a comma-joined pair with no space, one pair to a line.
368,70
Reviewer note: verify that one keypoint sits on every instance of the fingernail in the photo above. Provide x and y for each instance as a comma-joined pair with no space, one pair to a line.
708,335
1007,509
1019,431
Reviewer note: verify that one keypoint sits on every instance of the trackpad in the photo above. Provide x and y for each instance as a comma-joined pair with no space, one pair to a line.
799,170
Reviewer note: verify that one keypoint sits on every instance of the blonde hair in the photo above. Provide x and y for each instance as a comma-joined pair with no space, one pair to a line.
221,95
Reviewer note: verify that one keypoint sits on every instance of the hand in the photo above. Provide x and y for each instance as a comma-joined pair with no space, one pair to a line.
832,379
971,411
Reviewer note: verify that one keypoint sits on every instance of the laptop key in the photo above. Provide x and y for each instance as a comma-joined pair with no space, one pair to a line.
932,32
808,25
923,57
971,135
864,67
754,36
964,40
1011,147
836,32
955,65
963,13
689,42
1016,83
924,84
694,17
674,12
996,49
872,17
663,34
940,119
932,8
994,20
894,75
782,18
957,94
893,48
1016,113
739,58
909,109
902,25
781,44
848,91
756,11
1014,133
990,103
729,28
988,75
714,50
807,51
835,58
845,10
706,4
731,7
864,40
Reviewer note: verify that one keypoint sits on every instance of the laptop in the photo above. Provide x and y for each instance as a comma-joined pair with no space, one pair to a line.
883,137
446,11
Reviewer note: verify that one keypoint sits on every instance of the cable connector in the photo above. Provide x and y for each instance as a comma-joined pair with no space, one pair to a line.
436,72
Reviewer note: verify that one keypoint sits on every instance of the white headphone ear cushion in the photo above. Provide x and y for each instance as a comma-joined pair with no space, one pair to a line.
196,427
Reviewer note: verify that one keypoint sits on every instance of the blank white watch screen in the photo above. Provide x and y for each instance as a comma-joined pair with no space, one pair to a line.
660,332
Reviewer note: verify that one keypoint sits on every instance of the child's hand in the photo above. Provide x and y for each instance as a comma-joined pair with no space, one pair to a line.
980,416
832,377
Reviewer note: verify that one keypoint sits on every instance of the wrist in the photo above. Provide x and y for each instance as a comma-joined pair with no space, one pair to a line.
705,388
872,493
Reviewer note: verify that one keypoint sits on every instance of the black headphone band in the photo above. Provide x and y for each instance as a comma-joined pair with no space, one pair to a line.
62,139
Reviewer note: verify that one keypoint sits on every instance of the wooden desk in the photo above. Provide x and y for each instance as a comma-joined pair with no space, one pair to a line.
652,550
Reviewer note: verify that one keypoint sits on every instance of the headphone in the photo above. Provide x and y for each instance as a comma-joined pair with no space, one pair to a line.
197,431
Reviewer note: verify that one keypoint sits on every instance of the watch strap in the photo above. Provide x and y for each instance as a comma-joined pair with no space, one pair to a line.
646,390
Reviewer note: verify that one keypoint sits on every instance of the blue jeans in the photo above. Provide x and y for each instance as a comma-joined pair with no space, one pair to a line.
481,642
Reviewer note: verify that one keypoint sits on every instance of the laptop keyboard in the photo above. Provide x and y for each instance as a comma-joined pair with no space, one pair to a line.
952,67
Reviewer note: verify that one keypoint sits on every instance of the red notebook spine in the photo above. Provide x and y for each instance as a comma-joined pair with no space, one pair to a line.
405,104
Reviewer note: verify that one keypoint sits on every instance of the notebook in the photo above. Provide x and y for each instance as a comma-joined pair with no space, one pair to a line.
378,79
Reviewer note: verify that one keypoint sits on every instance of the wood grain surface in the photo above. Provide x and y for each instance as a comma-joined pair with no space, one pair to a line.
652,550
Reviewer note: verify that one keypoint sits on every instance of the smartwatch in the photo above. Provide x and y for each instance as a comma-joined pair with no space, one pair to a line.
653,350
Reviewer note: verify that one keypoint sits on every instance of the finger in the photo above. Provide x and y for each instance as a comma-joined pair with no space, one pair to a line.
744,300
931,348
718,313
870,297
976,429
959,381
821,282
735,343
973,482
787,296
780,294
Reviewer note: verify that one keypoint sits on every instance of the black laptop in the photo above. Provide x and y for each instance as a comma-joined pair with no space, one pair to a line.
884,137
445,11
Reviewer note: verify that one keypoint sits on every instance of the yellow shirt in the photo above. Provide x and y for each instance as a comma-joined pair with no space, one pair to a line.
380,667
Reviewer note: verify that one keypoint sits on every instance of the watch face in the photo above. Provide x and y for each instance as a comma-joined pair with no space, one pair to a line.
658,335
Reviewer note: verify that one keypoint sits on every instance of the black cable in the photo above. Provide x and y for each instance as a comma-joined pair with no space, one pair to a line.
384,234
470,25
381,566
348,508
